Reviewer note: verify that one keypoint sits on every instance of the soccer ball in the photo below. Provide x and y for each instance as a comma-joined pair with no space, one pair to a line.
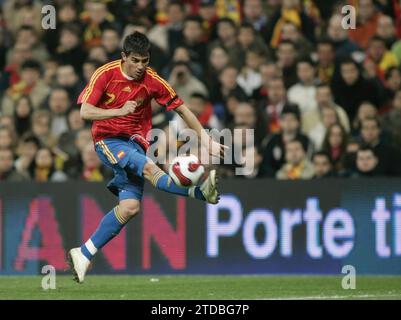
186,170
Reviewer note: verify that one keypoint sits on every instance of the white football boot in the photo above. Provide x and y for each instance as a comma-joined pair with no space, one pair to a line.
78,263
209,188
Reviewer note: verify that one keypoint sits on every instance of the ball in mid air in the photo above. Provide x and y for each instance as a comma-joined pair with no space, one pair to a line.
186,170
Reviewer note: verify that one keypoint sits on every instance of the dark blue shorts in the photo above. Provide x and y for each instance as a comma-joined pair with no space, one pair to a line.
127,159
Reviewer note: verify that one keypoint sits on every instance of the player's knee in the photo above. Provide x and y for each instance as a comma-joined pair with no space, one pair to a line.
129,210
149,169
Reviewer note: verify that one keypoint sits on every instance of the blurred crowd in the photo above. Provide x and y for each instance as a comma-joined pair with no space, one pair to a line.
323,100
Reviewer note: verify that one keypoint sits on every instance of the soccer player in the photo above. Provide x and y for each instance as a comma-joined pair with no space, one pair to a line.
117,100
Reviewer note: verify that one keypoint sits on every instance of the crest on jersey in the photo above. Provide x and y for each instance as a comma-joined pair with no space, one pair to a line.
127,89
140,101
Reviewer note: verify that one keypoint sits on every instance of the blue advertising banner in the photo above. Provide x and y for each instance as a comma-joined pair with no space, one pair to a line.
258,227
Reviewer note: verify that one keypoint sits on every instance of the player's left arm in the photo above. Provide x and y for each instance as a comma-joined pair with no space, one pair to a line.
192,122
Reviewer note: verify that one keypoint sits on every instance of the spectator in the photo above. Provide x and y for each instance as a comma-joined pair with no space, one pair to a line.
28,38
275,103
254,14
249,78
324,99
292,11
325,64
67,14
193,40
41,121
350,89
386,30
344,46
228,86
268,71
95,18
366,110
30,84
111,43
88,69
367,163
389,158
167,36
292,33
287,61
203,110
184,82
181,54
98,53
50,70
392,120
42,168
378,58
274,152
59,103
7,172
322,165
22,115
218,60
69,50
392,79
92,168
67,78
303,93
334,144
328,117
208,12
249,116
7,138
227,38
26,152
66,141
367,21
297,165
249,39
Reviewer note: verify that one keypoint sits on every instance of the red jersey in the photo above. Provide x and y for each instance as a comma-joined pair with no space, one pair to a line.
109,88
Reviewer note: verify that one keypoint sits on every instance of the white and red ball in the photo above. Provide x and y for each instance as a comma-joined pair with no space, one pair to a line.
186,170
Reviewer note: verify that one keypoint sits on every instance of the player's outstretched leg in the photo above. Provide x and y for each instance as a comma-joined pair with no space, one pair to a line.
207,191
110,226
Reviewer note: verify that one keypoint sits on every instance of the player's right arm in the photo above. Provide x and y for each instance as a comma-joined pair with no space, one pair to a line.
91,112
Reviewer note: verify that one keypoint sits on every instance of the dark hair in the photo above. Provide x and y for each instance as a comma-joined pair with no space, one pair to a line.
349,60
326,142
30,138
227,20
73,28
247,25
97,64
325,41
286,42
198,95
298,140
366,147
31,64
322,154
323,85
390,70
194,18
374,119
377,38
291,108
177,3
306,60
136,43
26,28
